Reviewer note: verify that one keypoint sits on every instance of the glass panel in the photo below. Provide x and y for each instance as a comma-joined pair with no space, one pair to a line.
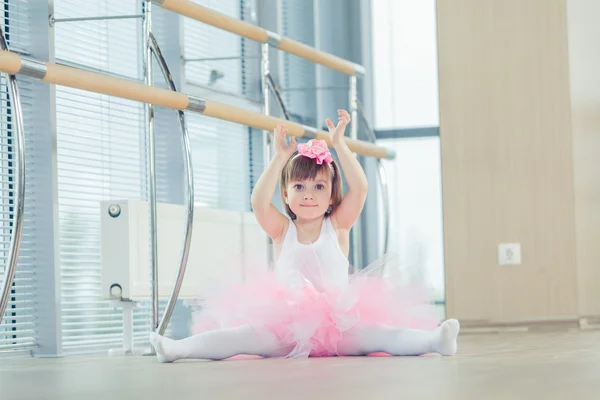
405,63
415,190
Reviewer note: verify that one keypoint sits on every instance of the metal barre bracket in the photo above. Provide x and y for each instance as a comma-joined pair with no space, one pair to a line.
359,70
310,132
196,104
33,68
273,39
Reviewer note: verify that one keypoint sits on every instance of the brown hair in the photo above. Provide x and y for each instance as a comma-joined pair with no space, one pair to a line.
299,168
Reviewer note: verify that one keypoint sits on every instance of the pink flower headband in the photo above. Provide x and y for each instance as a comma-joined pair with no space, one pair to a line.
316,149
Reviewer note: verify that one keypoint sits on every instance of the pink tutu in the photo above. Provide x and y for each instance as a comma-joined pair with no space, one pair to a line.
314,321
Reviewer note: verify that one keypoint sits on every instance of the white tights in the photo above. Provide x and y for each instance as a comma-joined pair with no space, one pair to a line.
359,341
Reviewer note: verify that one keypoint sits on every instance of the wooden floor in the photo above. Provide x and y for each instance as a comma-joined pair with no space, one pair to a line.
489,366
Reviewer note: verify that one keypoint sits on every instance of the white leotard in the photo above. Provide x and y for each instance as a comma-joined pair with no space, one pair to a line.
321,263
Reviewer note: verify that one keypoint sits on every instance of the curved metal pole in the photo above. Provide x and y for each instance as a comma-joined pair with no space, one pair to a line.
355,232
383,182
187,157
267,135
275,90
386,204
151,140
19,194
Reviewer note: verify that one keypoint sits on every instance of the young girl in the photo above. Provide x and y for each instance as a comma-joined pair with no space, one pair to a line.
310,305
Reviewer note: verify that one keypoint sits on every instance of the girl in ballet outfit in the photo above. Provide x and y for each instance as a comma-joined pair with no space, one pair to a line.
310,304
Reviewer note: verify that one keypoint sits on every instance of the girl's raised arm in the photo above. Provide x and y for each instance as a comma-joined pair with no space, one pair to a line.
269,218
352,204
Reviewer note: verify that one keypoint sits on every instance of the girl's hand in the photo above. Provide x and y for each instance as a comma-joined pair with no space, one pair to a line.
281,148
337,132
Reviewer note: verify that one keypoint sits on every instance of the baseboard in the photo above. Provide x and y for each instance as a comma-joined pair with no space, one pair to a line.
590,323
563,324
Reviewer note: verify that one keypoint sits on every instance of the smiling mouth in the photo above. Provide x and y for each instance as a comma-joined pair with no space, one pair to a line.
306,205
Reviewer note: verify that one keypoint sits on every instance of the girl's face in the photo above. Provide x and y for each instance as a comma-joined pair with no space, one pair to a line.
309,199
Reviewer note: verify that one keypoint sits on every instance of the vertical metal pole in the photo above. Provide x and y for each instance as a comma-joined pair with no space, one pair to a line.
151,140
319,71
128,307
266,134
355,233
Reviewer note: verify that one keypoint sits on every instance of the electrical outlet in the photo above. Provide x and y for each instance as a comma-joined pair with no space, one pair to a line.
509,254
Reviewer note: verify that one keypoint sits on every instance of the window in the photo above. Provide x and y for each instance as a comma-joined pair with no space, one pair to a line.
220,161
415,190
405,63
220,149
406,108
203,42
101,155
102,152
298,75
18,327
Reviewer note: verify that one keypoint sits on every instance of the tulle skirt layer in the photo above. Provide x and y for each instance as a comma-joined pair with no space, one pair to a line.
312,322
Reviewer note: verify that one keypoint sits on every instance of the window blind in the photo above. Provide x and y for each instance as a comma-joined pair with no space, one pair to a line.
202,42
220,162
220,149
299,75
101,156
18,327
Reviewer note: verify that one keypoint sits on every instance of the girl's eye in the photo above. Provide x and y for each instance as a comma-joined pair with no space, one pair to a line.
298,186
320,186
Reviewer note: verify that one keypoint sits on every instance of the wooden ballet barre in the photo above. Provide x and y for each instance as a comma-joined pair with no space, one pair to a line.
258,34
51,73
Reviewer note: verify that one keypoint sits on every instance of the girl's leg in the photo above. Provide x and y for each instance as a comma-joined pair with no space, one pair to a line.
361,341
218,345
